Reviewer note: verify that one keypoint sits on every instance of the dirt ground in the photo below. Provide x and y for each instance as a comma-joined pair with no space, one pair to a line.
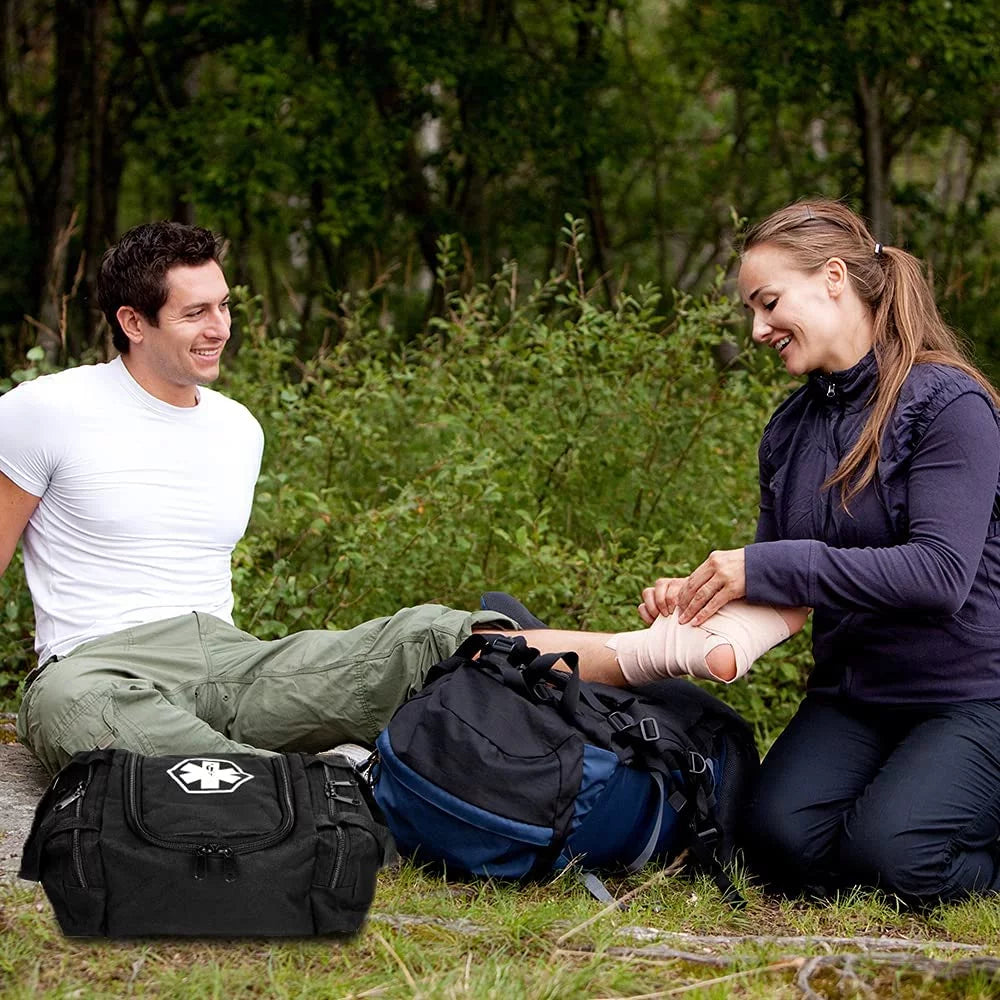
22,782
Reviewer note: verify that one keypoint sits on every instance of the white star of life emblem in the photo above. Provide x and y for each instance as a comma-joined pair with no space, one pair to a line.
208,776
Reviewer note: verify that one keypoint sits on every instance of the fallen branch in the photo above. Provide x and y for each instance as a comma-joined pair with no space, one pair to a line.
884,943
848,966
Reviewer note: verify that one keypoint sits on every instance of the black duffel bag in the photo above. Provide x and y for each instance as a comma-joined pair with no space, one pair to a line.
241,845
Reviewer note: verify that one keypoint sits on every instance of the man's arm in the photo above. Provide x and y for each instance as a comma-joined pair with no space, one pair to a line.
16,507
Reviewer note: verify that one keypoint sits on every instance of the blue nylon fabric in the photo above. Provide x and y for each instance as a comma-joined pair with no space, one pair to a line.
617,815
473,839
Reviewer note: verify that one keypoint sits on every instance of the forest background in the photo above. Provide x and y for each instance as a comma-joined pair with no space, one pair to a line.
484,257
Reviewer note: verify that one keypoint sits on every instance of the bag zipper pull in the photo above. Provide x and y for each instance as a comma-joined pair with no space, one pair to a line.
335,796
71,798
330,786
206,851
228,863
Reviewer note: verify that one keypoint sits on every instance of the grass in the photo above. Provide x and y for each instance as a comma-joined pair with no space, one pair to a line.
432,939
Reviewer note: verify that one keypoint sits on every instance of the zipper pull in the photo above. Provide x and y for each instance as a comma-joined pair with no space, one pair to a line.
330,786
228,863
201,861
77,793
206,851
831,390
330,790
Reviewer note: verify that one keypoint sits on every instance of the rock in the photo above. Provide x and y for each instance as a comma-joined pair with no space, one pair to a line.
22,782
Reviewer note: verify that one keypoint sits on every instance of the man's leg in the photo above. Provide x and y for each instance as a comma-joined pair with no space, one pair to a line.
141,689
723,649
318,688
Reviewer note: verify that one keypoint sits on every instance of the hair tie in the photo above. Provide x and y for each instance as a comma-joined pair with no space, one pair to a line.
878,249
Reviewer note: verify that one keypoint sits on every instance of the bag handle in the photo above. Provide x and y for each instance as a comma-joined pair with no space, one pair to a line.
523,669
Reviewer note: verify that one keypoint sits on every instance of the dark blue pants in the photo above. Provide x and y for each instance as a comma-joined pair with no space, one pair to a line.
903,798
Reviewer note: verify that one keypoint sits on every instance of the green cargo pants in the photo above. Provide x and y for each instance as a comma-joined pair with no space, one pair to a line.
197,685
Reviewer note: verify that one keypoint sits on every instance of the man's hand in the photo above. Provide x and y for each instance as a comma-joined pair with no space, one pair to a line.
16,507
721,578
661,598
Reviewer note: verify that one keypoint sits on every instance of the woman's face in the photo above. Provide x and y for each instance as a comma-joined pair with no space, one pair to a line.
813,319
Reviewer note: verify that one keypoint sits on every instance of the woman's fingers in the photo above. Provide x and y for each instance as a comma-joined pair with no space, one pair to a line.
721,578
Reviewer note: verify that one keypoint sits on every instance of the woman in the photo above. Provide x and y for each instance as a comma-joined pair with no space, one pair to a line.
879,509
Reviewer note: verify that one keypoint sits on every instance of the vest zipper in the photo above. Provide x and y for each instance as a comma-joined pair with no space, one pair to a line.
829,526
202,852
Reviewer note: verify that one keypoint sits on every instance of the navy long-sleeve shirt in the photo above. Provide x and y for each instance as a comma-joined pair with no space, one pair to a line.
906,583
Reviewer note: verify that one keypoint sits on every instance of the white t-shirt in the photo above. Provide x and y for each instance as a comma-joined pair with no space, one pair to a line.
141,502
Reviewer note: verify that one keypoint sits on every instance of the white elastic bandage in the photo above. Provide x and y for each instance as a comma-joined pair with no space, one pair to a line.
669,649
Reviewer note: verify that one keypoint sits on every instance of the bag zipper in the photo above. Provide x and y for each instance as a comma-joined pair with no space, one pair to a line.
330,786
76,796
338,861
202,852
331,790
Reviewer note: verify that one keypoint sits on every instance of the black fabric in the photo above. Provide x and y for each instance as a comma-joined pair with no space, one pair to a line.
905,798
497,727
246,845
718,732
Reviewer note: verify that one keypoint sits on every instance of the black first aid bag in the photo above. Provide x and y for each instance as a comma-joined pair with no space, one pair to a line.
241,845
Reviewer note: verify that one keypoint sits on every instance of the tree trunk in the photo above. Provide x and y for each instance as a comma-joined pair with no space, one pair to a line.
102,194
877,162
62,195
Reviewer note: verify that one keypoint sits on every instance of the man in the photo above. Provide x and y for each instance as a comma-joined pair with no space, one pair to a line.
131,482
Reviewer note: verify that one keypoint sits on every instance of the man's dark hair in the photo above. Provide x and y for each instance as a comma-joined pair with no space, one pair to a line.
134,271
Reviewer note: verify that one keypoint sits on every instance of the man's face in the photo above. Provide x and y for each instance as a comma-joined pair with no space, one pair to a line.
184,346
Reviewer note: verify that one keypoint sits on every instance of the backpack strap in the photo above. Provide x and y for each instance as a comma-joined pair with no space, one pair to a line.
670,753
650,846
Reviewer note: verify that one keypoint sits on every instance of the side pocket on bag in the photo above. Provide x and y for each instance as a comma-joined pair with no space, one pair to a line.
348,853
66,843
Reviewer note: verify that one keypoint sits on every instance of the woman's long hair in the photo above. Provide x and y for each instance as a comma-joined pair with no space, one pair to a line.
908,328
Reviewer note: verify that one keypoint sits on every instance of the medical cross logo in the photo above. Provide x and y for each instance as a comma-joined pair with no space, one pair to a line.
207,776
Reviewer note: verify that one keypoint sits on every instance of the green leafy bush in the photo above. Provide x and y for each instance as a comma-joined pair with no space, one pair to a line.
542,443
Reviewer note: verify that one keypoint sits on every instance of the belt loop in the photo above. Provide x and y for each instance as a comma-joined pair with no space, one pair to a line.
36,672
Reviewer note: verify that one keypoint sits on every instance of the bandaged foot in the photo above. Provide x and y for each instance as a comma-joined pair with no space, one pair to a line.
669,649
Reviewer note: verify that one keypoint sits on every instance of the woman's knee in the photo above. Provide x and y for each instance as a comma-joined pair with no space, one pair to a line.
918,867
784,846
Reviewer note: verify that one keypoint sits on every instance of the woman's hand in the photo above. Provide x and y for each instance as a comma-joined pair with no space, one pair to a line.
721,578
660,599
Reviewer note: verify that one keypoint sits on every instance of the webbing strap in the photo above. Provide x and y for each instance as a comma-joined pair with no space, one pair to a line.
596,887
650,846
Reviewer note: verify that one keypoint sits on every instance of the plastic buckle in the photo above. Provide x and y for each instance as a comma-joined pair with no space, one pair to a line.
709,836
503,644
649,730
542,691
620,721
